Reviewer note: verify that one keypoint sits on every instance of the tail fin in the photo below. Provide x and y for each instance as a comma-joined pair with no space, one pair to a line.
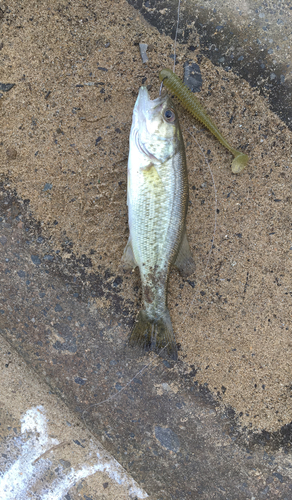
154,335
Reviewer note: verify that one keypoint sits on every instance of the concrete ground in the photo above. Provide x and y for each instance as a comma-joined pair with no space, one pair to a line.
45,451
166,430
82,415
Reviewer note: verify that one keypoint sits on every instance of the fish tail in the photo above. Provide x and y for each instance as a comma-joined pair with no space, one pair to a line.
154,334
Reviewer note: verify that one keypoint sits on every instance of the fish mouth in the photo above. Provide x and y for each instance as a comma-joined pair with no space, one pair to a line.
144,114
147,132
144,105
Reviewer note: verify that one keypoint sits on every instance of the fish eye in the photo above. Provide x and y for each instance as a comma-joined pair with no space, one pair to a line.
169,115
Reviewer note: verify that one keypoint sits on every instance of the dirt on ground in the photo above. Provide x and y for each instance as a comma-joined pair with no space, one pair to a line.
77,70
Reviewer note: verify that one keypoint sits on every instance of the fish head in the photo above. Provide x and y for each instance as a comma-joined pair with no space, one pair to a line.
155,126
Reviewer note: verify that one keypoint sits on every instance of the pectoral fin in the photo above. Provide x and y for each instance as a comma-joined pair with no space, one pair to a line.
128,259
184,261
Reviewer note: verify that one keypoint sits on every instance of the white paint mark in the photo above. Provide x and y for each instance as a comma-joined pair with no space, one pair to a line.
111,467
32,465
118,474
18,479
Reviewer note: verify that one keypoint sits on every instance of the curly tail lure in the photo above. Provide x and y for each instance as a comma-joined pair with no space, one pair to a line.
193,105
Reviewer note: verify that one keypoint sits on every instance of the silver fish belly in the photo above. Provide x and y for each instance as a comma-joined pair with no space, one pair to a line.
157,198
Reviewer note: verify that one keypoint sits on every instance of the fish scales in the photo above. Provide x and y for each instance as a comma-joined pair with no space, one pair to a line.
157,204
155,226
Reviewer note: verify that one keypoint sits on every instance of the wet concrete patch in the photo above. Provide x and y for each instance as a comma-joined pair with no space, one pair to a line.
167,431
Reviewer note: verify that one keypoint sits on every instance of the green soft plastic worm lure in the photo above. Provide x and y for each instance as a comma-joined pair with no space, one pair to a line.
173,83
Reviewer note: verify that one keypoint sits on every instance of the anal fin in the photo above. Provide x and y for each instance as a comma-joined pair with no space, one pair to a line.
128,259
184,260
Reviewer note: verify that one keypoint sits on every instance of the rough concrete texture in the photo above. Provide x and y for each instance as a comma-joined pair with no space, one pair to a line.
218,423
46,452
162,427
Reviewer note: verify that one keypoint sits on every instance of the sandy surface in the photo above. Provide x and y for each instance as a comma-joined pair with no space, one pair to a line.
64,147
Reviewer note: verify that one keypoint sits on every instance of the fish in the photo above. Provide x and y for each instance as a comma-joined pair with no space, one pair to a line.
157,199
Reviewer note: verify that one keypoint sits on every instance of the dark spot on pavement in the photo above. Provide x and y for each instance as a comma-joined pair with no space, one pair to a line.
167,438
35,259
80,381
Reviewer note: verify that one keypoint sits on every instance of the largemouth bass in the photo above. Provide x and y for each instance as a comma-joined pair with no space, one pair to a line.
157,198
